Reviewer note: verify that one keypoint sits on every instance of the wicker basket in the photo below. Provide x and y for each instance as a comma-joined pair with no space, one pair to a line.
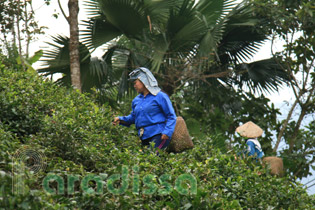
180,139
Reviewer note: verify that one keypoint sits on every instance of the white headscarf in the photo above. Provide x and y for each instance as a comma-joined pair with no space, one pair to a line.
146,77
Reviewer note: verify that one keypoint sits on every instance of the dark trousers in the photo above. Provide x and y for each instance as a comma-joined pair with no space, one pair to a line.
158,142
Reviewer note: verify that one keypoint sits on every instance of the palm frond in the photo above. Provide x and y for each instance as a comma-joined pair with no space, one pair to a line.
188,29
110,19
92,8
264,75
211,39
212,10
240,40
133,20
161,46
158,11
98,32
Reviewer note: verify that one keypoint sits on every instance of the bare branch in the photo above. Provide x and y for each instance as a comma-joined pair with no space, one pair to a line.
63,12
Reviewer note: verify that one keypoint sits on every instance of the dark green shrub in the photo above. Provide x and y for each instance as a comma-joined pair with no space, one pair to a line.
8,145
24,101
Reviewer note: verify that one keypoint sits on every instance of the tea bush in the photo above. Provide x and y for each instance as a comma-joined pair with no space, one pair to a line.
79,141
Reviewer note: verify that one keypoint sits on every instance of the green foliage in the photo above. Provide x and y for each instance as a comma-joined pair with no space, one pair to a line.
299,160
78,139
292,23
22,107
221,112
9,57
9,144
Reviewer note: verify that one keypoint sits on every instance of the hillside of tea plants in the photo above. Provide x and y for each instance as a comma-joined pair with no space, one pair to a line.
59,150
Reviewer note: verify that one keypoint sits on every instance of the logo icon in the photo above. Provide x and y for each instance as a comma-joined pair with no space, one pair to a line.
26,158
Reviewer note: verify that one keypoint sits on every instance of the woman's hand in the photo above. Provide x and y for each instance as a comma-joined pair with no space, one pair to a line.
164,137
116,121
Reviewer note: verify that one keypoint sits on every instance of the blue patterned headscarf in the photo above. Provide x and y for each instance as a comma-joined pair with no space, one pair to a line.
147,78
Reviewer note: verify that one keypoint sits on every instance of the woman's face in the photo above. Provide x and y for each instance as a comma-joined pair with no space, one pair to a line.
139,86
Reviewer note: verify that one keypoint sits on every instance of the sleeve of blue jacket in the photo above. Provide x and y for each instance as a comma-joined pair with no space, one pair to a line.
130,119
167,107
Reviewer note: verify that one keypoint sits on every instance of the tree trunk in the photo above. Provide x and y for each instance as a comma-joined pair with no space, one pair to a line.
73,6
18,17
305,108
285,124
296,129
28,33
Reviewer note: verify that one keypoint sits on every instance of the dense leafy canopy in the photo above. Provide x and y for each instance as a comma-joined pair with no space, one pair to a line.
181,41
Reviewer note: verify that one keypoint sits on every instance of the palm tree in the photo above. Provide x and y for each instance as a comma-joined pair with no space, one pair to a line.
186,39
203,42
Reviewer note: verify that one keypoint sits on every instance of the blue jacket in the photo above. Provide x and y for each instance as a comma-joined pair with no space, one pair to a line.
253,148
155,114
